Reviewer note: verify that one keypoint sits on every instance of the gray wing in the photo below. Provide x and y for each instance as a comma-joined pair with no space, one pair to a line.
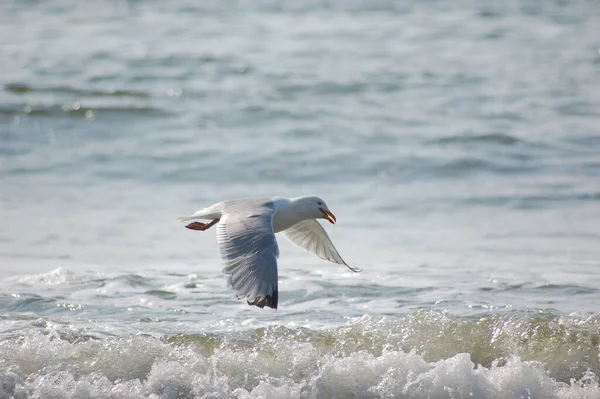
249,251
311,236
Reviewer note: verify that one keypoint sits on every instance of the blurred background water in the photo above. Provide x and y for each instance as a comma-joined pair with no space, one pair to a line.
458,144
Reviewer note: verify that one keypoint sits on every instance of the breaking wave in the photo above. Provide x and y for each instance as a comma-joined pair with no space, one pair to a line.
424,354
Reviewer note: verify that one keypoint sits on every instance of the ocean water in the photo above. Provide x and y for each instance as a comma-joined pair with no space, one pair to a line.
458,144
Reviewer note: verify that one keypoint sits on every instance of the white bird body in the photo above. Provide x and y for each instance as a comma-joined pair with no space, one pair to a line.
246,236
282,219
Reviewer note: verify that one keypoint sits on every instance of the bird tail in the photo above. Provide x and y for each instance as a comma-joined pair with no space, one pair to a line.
206,213
186,218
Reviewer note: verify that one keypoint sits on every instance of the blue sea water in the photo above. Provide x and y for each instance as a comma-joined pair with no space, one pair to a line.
458,144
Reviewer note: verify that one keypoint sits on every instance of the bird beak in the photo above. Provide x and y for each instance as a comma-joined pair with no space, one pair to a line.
328,215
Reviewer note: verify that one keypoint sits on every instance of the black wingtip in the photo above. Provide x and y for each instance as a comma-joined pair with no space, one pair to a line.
269,301
353,268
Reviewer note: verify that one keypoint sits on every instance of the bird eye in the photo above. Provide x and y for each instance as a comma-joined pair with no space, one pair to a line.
319,203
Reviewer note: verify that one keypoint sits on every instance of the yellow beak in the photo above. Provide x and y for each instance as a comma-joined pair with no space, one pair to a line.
328,215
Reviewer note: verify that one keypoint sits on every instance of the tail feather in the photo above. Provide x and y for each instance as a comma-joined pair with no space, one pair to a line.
187,218
206,214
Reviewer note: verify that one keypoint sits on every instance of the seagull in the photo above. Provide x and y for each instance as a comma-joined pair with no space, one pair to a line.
246,237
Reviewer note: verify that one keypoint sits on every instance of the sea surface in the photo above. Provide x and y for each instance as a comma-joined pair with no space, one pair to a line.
458,144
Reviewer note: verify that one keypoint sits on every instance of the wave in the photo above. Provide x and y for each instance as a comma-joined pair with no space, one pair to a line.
492,138
22,88
424,354
77,110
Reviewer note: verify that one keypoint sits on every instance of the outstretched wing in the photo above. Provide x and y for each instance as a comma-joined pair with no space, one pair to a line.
311,236
249,251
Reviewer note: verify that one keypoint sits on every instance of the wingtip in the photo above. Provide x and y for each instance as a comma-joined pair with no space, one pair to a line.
268,300
262,301
353,268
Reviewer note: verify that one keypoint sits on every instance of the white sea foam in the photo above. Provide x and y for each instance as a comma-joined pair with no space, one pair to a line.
58,361
57,276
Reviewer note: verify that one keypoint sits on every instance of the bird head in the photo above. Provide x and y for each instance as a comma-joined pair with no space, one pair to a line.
317,208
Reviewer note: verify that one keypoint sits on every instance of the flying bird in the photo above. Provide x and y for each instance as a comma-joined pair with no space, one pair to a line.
246,237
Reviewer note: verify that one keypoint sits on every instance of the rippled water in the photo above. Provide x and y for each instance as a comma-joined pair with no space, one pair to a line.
457,143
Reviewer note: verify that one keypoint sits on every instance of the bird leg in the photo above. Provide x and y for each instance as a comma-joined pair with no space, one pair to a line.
202,226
